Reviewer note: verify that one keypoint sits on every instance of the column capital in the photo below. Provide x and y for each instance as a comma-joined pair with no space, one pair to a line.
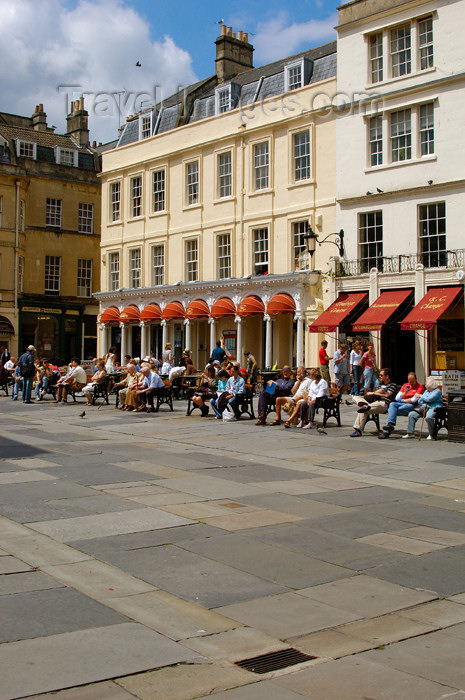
238,319
212,320
163,323
267,317
187,322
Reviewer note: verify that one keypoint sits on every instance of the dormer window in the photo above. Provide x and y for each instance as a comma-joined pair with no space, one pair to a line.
26,149
145,126
66,156
297,74
226,98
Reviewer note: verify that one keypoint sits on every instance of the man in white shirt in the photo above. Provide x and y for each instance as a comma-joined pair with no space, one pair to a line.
299,392
74,380
151,384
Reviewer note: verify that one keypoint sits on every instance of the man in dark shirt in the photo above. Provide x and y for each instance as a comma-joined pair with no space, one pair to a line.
374,401
218,353
282,387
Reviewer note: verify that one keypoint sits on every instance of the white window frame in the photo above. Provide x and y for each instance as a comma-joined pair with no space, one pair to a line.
52,281
223,99
302,159
191,252
22,215
66,156
224,177
115,201
223,255
290,82
432,234
370,227
261,250
400,50
145,126
425,47
84,278
135,268
261,165
376,57
375,140
53,213
299,229
158,264
26,149
86,218
21,274
136,210
192,188
114,270
400,135
426,129
158,192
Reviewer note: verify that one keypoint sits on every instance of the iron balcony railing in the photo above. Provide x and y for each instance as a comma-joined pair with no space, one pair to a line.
403,263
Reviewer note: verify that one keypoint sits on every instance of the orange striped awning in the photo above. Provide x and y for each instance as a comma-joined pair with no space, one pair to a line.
379,312
110,315
431,307
198,309
150,313
223,307
173,310
130,314
251,306
339,309
281,304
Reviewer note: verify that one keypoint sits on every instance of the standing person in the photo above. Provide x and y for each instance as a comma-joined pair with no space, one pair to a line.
355,368
4,356
167,359
374,401
252,367
27,370
427,404
18,382
341,367
368,365
272,391
218,353
406,401
109,361
324,362
74,380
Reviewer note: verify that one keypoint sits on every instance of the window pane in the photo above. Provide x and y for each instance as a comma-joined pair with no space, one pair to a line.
432,234
134,268
66,157
115,201
26,149
376,140
427,129
192,266
261,166
302,156
376,57
192,178
224,100
53,213
224,256
86,218
401,60
159,190
260,251
113,267
371,241
158,265
52,274
146,126
136,196
425,42
84,278
294,76
224,175
299,230
401,135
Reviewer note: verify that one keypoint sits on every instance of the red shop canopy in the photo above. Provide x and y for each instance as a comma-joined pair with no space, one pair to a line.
380,311
110,315
173,310
198,309
281,304
251,306
151,312
223,307
130,314
339,309
431,307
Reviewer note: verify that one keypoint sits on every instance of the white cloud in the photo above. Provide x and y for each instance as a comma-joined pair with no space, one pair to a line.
94,46
279,37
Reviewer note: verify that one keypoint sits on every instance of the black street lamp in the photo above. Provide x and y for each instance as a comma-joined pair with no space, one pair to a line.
311,239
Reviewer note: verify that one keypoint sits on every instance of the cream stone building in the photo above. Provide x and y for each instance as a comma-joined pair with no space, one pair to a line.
206,201
400,180
49,235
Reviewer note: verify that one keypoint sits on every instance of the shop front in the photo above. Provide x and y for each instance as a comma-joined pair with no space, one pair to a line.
55,330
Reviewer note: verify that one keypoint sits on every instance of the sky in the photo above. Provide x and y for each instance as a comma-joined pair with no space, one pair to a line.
54,51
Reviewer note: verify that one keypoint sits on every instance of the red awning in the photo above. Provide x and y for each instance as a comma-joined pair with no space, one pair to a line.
281,304
251,306
380,311
198,309
332,317
431,307
150,313
223,307
173,310
110,315
130,314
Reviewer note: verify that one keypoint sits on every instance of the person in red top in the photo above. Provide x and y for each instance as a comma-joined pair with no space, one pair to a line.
324,362
405,402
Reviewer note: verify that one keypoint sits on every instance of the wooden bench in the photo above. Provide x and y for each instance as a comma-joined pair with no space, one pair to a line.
331,406
440,420
164,396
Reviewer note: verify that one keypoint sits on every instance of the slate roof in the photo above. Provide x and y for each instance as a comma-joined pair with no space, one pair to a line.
254,85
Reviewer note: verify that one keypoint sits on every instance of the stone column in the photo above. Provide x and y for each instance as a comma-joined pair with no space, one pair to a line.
212,322
123,350
188,326
105,339
268,341
238,320
299,351
164,334
143,340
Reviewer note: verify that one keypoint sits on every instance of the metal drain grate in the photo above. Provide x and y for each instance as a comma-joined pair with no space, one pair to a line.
274,661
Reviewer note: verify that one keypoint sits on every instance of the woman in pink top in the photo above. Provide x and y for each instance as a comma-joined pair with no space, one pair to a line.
368,363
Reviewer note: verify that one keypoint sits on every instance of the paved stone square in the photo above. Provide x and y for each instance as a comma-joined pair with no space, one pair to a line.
143,555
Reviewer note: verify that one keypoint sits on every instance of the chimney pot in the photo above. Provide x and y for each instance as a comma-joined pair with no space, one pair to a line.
239,36
229,31
223,30
245,37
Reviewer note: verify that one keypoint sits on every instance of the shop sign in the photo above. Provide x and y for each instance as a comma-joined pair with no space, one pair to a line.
450,381
41,310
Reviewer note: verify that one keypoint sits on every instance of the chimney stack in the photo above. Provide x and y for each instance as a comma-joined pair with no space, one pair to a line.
77,122
39,119
233,55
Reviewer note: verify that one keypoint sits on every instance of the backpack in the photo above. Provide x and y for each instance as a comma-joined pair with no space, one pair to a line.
26,365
